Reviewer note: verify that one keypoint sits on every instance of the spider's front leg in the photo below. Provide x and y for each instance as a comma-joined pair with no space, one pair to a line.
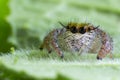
103,52
57,49
54,42
46,44
107,45
51,42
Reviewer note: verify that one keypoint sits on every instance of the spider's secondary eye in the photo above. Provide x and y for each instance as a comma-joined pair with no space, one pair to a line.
73,29
67,27
82,30
89,29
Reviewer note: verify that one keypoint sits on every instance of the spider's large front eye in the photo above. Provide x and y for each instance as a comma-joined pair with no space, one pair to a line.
82,30
73,29
88,29
67,27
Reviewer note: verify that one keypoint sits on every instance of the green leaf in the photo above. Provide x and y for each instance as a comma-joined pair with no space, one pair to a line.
5,27
39,65
5,33
4,10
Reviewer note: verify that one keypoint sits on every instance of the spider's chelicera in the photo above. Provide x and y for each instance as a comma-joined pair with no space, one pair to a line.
78,37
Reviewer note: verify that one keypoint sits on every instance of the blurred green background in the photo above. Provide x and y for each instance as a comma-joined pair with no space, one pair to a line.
27,22
24,24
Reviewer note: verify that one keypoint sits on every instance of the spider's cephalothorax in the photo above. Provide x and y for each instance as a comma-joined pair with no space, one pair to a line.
78,37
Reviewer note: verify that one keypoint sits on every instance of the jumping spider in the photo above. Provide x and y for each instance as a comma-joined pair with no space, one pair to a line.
78,37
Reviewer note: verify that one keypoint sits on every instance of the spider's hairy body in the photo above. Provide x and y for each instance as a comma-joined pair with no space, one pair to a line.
78,37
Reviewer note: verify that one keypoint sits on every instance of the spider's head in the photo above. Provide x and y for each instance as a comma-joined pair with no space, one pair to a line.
79,27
